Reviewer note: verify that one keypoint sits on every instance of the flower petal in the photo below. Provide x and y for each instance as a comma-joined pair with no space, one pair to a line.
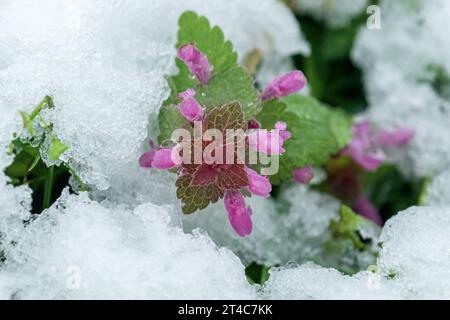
166,158
285,85
257,184
189,107
398,137
238,214
196,61
364,207
304,175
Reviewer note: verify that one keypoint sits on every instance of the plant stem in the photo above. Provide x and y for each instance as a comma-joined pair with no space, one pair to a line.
46,101
48,188
76,177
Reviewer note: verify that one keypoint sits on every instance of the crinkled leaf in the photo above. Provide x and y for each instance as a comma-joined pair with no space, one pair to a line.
233,85
225,117
196,197
232,177
57,148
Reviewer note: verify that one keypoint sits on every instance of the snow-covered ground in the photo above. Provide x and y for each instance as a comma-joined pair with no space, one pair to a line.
104,63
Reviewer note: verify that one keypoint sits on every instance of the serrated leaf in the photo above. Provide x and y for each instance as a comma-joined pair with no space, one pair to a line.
170,119
57,148
232,177
209,40
317,132
233,85
228,116
196,197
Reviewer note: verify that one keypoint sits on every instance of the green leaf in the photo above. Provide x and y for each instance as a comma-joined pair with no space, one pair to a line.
57,148
170,119
27,123
318,132
348,226
209,40
196,197
235,85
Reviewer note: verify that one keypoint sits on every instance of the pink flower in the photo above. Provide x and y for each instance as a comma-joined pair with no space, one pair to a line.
257,184
145,161
282,126
189,107
238,214
285,85
196,61
365,148
304,175
253,124
166,158
270,142
398,137
265,141
364,207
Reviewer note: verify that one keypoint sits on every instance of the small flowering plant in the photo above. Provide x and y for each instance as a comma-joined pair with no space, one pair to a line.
225,139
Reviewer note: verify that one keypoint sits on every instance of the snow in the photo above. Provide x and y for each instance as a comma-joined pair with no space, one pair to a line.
396,61
335,13
438,193
82,249
295,229
104,63
415,253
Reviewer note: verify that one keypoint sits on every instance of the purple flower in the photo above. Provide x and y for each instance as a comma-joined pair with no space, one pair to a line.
196,61
257,184
304,175
285,85
365,148
189,107
253,124
269,141
398,137
364,207
166,158
145,161
282,128
238,214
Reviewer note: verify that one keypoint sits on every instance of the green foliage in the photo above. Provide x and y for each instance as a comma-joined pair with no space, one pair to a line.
28,168
234,85
229,82
391,192
257,274
331,74
170,119
317,132
348,225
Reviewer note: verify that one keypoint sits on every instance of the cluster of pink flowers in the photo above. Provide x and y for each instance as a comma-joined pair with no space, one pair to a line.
367,149
366,146
260,140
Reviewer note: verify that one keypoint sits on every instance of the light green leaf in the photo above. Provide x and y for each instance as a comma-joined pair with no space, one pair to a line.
57,148
235,85
170,119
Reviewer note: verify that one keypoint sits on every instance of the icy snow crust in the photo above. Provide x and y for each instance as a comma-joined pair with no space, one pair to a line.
104,62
